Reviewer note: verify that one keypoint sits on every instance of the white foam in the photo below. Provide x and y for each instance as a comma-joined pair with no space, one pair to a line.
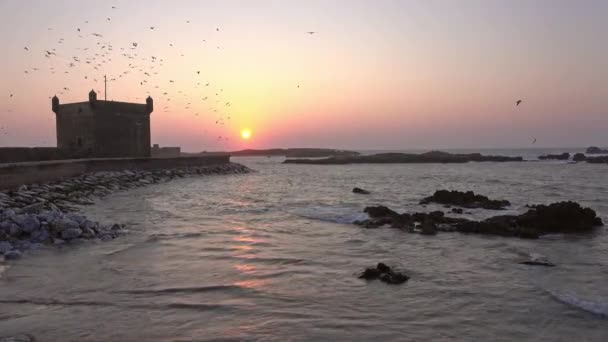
596,307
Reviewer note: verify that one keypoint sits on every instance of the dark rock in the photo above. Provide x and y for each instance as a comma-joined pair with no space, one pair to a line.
384,274
360,191
579,157
400,158
71,233
457,210
596,150
380,211
428,227
561,217
5,247
538,263
465,199
563,156
12,255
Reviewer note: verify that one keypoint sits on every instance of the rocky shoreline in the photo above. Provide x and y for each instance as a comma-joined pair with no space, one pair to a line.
46,214
560,217
405,158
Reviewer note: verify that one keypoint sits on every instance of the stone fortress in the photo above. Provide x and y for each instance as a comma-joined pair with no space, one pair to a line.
103,129
96,129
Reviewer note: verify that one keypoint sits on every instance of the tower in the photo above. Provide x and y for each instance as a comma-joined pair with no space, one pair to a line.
149,104
92,97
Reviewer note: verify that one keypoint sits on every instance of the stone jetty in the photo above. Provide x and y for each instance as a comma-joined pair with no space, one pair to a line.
46,214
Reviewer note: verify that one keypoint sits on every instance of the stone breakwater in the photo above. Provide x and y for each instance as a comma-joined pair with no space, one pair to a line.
46,214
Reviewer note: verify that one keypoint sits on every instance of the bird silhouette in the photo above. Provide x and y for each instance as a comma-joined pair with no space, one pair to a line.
534,142
518,102
311,32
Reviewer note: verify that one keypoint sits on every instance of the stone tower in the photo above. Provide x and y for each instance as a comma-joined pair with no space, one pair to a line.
102,129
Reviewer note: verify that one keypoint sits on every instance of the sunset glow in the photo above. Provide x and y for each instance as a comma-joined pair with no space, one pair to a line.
385,74
246,134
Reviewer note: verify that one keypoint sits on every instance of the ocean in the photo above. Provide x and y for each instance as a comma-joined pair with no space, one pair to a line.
274,256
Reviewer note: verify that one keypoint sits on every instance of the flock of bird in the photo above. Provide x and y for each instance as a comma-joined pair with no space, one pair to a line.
95,57
96,60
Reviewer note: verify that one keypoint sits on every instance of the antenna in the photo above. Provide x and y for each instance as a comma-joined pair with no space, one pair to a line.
105,88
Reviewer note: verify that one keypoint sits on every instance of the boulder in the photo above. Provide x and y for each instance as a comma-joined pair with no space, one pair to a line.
5,246
62,224
457,210
384,274
596,150
561,217
579,157
379,211
465,199
428,227
563,156
71,233
360,191
12,255
28,223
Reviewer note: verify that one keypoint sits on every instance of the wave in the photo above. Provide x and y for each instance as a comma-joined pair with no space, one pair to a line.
335,214
197,289
596,307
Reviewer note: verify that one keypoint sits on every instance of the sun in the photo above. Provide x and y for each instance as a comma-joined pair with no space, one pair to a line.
246,134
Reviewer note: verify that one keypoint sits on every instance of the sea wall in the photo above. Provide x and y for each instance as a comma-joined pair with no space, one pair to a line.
26,154
15,174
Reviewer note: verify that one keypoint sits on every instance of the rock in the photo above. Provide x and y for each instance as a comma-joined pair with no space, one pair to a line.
42,235
457,210
5,247
32,208
465,199
537,263
62,224
384,274
71,233
28,223
579,157
14,230
379,211
561,217
596,150
12,255
428,227
360,191
563,156
400,158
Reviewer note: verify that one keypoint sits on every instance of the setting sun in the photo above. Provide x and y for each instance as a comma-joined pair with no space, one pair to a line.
245,134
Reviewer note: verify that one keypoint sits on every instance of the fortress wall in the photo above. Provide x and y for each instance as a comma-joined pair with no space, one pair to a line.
15,174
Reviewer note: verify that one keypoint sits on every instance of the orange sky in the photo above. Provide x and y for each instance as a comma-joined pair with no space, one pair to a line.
381,74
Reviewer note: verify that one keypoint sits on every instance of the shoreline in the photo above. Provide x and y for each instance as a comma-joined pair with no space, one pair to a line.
38,214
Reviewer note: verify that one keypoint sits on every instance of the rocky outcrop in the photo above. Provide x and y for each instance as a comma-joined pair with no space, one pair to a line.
561,217
578,157
360,191
563,156
384,274
597,160
400,158
465,199
45,214
596,150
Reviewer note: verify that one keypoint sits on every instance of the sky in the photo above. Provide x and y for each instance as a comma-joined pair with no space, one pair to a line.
381,74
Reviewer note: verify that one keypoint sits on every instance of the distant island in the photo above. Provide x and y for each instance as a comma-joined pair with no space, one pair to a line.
398,158
596,150
285,152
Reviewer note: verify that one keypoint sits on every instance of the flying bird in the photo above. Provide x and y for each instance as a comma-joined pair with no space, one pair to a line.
518,102
534,142
311,32
26,49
